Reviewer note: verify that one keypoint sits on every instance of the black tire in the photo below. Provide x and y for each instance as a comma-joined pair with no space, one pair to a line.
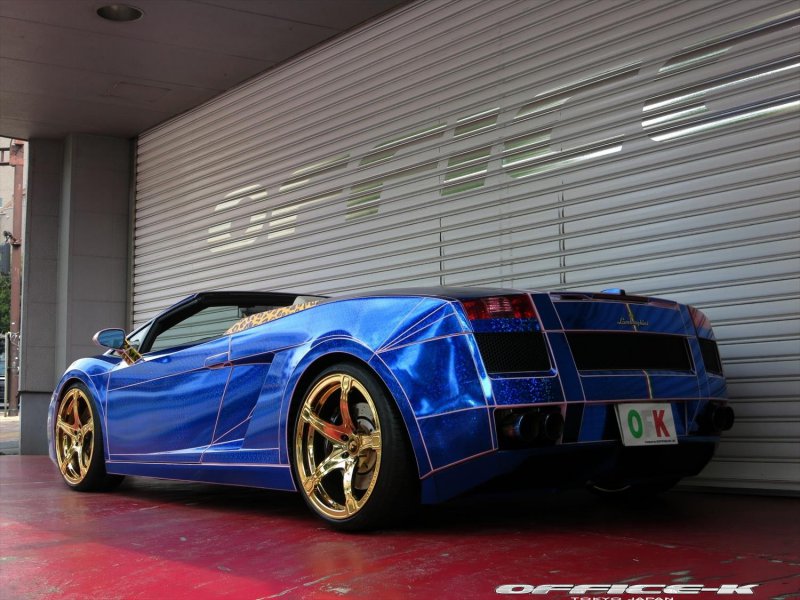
355,471
78,441
632,491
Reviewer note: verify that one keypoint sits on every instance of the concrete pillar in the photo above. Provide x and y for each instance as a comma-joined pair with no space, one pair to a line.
75,266
39,290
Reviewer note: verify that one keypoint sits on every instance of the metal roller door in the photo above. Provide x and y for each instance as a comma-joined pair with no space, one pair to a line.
646,145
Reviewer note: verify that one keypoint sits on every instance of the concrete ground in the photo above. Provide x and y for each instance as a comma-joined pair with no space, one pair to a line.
170,540
9,435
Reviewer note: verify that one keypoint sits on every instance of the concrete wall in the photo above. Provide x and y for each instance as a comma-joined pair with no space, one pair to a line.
6,192
75,265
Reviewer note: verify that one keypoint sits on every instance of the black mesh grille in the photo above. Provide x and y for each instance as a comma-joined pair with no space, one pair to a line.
609,351
710,353
513,352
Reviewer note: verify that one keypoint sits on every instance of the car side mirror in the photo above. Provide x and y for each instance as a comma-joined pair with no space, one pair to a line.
110,338
115,339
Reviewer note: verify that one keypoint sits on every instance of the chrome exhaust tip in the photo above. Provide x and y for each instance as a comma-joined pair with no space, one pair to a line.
528,428
551,426
722,418
522,428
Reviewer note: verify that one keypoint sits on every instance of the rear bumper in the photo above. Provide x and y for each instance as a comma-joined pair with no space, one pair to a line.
569,465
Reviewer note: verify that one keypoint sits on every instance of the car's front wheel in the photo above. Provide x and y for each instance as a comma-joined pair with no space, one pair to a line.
78,439
351,459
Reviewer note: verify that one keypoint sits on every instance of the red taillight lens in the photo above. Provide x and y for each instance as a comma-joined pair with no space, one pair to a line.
699,318
518,306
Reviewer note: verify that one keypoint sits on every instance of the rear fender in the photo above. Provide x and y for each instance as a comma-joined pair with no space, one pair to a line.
318,357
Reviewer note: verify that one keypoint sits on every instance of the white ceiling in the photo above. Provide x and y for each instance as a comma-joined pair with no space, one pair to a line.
64,69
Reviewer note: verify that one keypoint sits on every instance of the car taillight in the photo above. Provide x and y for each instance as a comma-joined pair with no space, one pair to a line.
705,338
516,306
699,318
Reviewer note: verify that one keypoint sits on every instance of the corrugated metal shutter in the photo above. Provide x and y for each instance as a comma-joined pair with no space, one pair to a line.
645,145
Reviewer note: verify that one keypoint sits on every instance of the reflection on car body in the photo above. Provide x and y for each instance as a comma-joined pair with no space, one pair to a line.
369,404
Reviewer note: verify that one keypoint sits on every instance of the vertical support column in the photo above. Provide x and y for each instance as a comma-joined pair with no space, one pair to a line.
39,301
93,244
75,264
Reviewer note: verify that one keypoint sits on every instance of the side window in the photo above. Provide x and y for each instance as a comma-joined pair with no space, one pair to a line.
209,323
137,337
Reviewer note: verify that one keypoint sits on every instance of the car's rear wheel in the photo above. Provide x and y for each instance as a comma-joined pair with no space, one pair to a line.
351,458
78,439
632,491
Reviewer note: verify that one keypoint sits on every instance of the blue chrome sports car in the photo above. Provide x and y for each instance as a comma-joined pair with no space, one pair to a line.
369,404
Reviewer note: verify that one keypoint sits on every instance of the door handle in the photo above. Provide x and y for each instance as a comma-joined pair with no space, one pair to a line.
218,361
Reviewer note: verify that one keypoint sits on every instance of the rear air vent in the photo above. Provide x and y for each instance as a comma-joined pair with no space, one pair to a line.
710,353
513,352
612,351
622,298
590,297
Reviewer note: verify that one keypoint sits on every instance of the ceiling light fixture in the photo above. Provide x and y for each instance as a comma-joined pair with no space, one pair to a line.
120,12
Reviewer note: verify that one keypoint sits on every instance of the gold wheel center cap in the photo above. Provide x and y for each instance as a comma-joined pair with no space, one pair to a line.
352,446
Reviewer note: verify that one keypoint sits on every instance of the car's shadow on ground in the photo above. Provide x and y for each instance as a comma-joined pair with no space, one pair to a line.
517,510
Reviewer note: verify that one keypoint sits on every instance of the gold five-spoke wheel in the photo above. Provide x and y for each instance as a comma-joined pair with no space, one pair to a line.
74,436
338,446
78,442
353,461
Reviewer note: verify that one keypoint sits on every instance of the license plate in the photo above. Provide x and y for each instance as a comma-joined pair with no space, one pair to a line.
646,424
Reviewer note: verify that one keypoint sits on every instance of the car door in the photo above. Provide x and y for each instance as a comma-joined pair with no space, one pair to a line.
164,407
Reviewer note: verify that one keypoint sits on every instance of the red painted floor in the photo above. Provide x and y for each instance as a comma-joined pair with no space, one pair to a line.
154,540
